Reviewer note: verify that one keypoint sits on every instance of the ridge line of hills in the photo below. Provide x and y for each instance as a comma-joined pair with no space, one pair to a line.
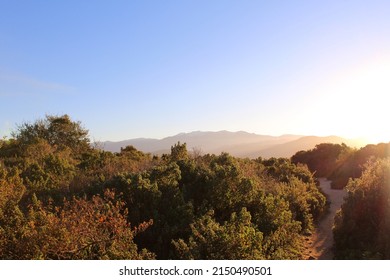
239,144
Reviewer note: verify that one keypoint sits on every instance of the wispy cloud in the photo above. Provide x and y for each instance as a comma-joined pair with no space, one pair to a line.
21,85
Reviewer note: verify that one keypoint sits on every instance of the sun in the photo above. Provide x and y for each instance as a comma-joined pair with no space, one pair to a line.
357,102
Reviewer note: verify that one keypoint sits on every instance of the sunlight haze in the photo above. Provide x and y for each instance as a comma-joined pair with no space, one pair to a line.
129,69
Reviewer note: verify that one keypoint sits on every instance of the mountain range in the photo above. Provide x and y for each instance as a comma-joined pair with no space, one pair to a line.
239,144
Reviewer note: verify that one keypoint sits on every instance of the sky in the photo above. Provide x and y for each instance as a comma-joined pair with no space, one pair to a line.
129,69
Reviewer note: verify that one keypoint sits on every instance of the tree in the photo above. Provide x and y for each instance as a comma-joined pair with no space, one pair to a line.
322,159
155,194
235,239
362,227
59,131
179,152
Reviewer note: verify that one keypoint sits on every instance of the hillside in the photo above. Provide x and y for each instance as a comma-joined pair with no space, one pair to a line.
63,199
240,144
85,203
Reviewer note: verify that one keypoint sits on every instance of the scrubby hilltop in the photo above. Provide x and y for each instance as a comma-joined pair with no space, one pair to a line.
63,199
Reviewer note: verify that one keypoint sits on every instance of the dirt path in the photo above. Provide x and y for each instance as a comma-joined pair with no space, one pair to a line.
320,243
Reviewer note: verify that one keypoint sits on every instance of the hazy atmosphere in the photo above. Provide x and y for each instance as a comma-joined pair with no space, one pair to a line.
195,130
129,69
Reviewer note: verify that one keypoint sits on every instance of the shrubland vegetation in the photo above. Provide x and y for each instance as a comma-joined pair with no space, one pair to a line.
362,226
338,162
61,198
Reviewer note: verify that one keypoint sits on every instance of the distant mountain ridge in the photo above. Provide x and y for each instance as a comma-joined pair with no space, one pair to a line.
239,144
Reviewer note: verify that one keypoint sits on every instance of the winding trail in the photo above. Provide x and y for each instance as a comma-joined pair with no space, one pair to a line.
319,244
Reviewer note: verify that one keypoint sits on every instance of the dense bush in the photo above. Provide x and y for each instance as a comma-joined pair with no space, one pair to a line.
339,163
60,198
362,227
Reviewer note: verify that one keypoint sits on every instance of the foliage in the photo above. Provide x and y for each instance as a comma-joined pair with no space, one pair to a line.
298,187
322,159
237,238
362,226
55,203
339,163
351,164
81,229
59,132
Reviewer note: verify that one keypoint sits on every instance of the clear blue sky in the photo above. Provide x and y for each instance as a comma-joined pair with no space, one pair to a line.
129,69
